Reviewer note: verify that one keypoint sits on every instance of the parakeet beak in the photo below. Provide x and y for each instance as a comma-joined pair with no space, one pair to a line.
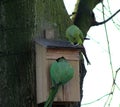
86,38
59,58
76,44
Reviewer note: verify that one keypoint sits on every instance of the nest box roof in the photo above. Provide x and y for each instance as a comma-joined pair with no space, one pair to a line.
56,44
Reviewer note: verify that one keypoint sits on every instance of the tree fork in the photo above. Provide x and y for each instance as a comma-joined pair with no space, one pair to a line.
84,15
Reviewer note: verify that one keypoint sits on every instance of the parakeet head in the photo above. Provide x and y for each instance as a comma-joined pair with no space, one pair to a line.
60,59
74,35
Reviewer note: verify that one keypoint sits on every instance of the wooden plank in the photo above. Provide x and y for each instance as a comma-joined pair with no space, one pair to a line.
41,73
68,54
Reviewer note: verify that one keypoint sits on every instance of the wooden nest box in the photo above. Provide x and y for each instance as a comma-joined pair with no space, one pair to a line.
48,51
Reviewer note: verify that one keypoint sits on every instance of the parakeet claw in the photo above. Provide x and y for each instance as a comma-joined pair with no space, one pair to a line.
76,44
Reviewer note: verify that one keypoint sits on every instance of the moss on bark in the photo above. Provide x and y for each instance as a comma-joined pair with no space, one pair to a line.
16,32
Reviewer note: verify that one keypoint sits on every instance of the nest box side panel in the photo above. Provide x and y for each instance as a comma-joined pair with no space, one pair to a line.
67,53
41,74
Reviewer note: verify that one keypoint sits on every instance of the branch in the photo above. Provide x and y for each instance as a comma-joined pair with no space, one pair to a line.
98,99
100,23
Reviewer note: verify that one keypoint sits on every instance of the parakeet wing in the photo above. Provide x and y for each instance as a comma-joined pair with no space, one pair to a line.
61,72
66,71
54,73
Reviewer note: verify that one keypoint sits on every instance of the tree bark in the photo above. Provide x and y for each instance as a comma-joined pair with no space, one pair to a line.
16,68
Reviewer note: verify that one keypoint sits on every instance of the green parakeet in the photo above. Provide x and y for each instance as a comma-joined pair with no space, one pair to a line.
75,36
60,72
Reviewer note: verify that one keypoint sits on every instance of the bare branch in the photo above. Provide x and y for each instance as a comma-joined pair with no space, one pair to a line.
98,99
100,23
117,87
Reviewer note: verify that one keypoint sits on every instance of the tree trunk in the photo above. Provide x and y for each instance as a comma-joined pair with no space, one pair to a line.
16,69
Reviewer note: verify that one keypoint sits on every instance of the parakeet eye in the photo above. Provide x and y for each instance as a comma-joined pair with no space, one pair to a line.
75,44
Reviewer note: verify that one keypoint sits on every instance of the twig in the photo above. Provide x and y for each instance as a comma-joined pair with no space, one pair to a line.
109,9
96,99
103,22
109,51
115,79
117,86
109,99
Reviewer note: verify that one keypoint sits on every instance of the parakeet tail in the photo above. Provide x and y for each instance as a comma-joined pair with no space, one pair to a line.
85,55
51,97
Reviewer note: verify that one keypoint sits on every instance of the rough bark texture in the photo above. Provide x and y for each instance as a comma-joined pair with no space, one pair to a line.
16,69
